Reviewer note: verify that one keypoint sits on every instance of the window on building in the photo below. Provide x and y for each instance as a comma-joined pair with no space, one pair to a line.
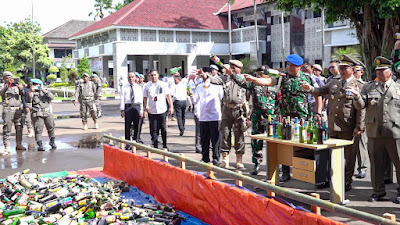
59,53
317,14
309,15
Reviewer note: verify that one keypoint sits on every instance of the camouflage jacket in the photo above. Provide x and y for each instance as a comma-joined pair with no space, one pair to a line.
263,97
294,98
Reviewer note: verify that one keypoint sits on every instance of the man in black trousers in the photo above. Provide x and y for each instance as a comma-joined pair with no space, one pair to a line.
131,106
180,96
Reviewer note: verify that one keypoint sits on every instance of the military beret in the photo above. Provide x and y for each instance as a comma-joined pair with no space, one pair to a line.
85,74
346,60
214,67
317,66
295,59
206,69
260,69
382,63
236,63
36,81
7,74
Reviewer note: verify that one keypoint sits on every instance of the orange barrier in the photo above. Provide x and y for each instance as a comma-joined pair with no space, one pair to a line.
211,201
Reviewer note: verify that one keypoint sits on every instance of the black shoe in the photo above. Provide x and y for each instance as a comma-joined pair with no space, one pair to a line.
53,143
361,175
128,147
215,162
40,146
322,185
374,197
347,187
388,181
256,169
198,151
397,199
181,133
285,177
139,141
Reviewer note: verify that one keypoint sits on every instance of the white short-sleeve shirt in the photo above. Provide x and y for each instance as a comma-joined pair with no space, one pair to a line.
156,94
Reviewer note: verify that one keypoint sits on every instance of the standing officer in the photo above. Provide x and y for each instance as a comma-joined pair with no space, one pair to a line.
294,101
263,106
41,112
381,100
360,142
344,120
12,111
179,101
131,106
141,83
97,96
233,117
85,93
27,110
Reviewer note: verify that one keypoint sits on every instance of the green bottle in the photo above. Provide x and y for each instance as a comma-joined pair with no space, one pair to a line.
315,131
279,127
302,131
175,69
7,213
310,133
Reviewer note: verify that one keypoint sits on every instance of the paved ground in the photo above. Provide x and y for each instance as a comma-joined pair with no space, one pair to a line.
78,149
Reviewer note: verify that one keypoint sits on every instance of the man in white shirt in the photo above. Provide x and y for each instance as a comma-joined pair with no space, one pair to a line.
193,82
131,106
209,97
180,96
155,94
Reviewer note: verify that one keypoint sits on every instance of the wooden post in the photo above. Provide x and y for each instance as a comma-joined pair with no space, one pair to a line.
122,143
134,148
239,182
270,193
314,208
389,216
166,157
148,154
183,164
111,142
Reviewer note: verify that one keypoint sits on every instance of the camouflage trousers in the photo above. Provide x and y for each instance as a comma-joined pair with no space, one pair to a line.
258,128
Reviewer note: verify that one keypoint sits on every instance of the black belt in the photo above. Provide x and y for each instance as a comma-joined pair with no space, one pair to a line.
130,105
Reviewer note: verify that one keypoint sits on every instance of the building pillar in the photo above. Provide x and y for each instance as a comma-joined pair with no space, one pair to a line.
120,62
105,69
254,55
191,63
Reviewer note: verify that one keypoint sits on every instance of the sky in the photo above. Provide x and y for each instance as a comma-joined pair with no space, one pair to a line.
48,13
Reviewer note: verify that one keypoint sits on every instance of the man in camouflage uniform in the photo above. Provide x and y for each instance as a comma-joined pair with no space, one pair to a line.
85,93
41,112
97,96
263,106
12,111
293,102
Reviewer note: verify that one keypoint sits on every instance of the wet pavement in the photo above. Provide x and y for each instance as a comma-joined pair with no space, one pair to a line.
79,149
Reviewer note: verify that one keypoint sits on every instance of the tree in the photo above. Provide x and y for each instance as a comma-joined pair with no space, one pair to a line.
71,75
84,66
248,64
120,5
53,69
16,46
353,52
100,6
375,21
51,77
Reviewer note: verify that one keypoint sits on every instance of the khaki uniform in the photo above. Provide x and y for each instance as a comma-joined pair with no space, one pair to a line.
97,97
383,129
12,113
85,93
343,117
233,117
26,116
42,113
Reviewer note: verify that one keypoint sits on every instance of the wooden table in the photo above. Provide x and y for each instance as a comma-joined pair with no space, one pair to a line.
290,153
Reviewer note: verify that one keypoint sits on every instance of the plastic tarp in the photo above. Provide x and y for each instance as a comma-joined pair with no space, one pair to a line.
212,201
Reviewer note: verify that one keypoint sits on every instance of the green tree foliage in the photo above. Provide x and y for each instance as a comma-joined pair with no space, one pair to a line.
120,5
84,66
248,65
51,77
53,69
375,21
100,6
353,52
72,75
16,46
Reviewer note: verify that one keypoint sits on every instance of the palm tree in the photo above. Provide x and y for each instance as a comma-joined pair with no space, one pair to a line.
100,6
353,52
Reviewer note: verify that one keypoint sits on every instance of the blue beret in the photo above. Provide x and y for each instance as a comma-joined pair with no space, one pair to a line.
295,59
137,74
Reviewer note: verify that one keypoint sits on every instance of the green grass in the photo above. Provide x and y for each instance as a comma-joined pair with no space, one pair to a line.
61,98
109,95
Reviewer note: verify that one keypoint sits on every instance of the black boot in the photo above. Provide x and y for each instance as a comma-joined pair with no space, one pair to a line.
53,143
256,169
40,146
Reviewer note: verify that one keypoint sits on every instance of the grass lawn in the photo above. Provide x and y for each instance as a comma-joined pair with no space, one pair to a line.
61,98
